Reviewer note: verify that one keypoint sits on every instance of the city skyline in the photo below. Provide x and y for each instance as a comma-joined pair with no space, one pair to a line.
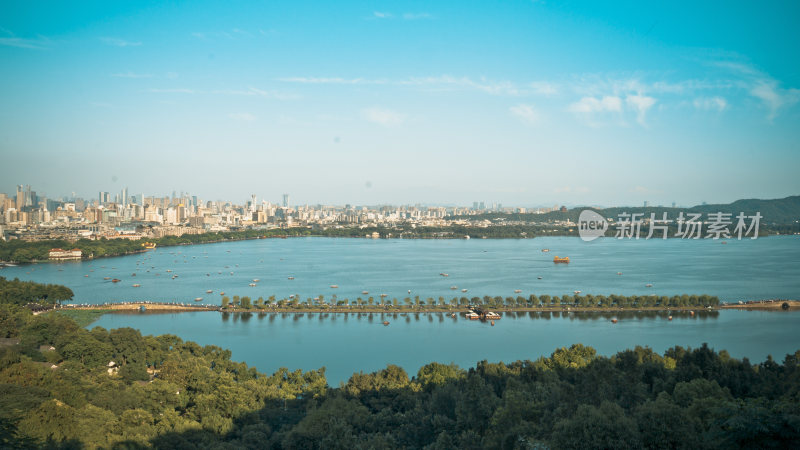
526,103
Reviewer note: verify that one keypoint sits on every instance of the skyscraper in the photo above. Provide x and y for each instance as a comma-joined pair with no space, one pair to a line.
285,200
124,196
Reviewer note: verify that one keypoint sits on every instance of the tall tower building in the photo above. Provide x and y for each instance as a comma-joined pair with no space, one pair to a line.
253,203
285,200
124,198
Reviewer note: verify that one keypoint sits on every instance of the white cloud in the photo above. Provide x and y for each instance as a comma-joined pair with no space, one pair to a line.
131,75
416,16
526,113
119,42
587,105
640,104
711,103
331,80
172,75
382,116
244,117
774,97
171,91
544,88
381,15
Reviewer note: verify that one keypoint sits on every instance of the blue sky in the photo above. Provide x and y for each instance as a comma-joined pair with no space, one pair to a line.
520,103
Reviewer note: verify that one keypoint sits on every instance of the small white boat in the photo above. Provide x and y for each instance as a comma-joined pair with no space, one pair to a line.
463,290
291,278
198,299
209,291
517,291
252,284
334,286
364,292
648,285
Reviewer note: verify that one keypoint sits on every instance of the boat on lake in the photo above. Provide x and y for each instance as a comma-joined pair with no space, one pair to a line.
116,280
444,274
136,285
545,250
252,284
291,278
209,291
198,299
648,285
517,291
564,260
334,286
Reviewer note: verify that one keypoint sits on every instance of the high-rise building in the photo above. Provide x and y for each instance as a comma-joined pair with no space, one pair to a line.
285,200
124,196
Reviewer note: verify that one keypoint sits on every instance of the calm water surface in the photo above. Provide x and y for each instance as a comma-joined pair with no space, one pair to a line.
345,344
740,270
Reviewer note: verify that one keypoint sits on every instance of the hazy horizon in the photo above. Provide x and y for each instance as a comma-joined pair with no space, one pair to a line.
522,104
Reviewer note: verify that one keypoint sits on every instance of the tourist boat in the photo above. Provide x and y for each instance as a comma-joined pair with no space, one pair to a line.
255,280
493,323
619,273
149,245
724,242
545,250
561,260
492,316
454,287
385,323
106,278
614,320
169,270
463,290
252,284
453,315
517,291
364,292
209,291
648,285
222,293
670,317
136,285
87,275
291,278
133,274
174,276
383,295
577,292
472,316
691,313
444,274
116,280
198,299
538,278
334,286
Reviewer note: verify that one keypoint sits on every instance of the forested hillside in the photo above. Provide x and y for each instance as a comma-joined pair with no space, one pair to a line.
56,388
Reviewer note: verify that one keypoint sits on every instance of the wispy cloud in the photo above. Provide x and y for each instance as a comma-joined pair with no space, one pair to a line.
243,117
640,104
383,116
763,87
442,81
131,75
255,92
710,103
417,16
526,113
171,91
119,42
382,15
588,105
9,39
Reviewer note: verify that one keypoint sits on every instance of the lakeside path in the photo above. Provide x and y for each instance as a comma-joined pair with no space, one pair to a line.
168,307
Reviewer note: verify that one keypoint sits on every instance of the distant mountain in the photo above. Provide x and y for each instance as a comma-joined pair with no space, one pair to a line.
782,211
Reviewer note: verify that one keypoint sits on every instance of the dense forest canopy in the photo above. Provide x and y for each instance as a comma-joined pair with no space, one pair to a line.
64,386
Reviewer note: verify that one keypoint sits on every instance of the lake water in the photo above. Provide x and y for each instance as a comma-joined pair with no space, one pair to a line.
741,270
345,344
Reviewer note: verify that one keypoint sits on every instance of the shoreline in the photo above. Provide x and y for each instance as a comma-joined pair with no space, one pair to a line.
443,238
165,307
